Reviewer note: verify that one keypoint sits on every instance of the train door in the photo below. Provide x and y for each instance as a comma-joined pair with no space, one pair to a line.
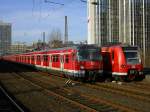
61,62
112,60
50,61
45,60
107,64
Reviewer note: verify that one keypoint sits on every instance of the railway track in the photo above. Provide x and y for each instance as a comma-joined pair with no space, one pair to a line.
83,101
76,96
120,89
140,85
135,91
8,104
83,98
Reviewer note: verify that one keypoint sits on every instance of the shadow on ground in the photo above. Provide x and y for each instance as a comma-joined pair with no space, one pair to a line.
146,71
8,67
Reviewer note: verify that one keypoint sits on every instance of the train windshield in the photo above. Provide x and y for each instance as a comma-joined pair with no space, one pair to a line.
89,54
132,57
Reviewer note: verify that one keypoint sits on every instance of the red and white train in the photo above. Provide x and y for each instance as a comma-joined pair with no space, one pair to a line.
122,62
80,61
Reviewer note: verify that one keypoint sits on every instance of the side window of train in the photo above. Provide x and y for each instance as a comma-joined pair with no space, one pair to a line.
52,58
28,58
38,58
32,58
56,58
45,58
25,58
61,58
67,58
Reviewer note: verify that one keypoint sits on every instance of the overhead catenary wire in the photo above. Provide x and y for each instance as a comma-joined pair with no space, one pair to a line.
83,1
33,6
47,1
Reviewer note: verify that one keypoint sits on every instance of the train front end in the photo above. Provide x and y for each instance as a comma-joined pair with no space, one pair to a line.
89,62
132,64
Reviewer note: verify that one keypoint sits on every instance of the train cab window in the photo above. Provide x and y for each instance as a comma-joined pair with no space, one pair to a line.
67,58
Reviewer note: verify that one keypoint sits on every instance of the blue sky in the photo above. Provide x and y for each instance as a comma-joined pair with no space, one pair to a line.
30,18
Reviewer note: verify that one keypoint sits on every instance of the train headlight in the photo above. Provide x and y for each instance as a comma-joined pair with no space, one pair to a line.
100,71
81,67
140,73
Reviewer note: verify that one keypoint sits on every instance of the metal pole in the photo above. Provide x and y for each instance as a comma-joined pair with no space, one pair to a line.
144,32
43,40
66,30
110,40
133,40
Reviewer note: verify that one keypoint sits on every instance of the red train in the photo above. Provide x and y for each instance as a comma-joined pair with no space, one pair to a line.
80,61
122,62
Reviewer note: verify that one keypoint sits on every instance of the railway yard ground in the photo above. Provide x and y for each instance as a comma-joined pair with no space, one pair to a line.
43,92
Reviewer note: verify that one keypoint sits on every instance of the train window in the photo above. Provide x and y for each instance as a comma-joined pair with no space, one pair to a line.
25,58
28,58
38,58
67,59
32,58
52,58
61,58
56,58
45,58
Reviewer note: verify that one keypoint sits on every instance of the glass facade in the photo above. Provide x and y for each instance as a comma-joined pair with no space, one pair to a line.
5,38
125,21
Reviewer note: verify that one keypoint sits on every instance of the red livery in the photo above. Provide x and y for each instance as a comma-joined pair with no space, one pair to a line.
122,62
80,61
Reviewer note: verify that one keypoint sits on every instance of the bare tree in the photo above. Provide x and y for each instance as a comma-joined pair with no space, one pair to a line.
55,39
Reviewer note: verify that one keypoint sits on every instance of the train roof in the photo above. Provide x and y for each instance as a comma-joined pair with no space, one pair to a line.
118,45
76,46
